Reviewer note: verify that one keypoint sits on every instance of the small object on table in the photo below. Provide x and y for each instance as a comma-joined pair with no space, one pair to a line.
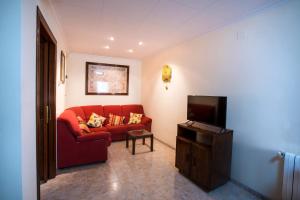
138,134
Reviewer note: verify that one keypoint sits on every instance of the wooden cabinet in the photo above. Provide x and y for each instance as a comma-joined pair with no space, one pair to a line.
183,152
203,154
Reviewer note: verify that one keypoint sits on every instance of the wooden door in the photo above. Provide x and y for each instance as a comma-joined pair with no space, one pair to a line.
45,102
43,109
183,155
200,166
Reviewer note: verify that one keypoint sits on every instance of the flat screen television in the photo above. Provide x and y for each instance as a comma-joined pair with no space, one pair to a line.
207,109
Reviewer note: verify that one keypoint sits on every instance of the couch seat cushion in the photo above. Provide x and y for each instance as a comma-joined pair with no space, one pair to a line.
135,127
99,129
95,136
117,129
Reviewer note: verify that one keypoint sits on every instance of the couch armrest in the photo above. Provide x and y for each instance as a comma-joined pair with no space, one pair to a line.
94,136
146,120
68,117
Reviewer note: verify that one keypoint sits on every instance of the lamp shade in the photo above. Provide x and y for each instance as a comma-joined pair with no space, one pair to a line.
166,73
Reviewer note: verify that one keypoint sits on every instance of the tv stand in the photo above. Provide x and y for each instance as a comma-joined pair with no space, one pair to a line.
189,123
203,154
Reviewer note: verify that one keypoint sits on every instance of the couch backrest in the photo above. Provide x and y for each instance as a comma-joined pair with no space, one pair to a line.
124,110
113,109
134,108
88,110
78,111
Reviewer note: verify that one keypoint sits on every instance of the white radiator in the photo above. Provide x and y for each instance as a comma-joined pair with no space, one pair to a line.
291,177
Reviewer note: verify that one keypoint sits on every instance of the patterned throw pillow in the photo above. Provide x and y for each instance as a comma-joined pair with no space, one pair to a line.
115,120
95,120
82,125
135,118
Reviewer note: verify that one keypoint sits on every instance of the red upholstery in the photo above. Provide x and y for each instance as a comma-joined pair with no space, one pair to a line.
94,136
117,129
68,117
79,112
99,129
147,122
131,127
73,148
127,109
78,149
116,110
88,110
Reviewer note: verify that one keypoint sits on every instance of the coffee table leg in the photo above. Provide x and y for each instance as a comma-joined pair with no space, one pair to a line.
133,146
127,141
152,143
143,141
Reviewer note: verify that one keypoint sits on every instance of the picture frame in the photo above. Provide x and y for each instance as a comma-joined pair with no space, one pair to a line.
106,79
62,67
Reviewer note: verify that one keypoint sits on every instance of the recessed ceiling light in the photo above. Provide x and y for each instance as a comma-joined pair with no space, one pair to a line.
141,43
107,47
130,50
111,38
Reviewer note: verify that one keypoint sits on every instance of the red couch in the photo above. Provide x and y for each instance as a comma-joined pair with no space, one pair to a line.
74,148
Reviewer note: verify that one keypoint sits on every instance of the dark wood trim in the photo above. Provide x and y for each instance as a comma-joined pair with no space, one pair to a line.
41,21
52,117
42,25
104,64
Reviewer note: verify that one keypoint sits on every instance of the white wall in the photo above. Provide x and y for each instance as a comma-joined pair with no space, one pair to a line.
254,62
28,85
76,81
53,22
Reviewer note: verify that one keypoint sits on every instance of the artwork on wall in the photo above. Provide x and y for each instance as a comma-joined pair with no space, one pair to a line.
62,67
106,79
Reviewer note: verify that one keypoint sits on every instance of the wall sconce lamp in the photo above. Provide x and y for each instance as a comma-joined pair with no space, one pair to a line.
166,75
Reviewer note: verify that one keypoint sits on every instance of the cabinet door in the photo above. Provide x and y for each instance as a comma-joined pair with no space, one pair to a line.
200,166
183,155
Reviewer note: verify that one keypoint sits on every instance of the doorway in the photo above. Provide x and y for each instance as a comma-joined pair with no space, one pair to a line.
46,48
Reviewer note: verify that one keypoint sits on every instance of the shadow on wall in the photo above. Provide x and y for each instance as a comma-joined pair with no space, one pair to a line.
264,176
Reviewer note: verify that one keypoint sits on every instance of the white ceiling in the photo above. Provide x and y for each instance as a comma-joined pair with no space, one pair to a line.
87,24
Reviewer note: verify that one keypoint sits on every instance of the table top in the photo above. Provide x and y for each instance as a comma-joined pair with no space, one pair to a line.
139,133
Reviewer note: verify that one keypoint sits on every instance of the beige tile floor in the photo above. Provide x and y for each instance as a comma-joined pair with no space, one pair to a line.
146,175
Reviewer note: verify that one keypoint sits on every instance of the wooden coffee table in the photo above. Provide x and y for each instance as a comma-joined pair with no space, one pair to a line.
138,134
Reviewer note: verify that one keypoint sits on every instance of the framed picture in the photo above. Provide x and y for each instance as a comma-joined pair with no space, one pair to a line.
62,67
106,79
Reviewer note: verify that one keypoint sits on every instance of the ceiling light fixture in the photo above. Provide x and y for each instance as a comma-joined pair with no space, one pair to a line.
130,50
141,43
106,47
111,38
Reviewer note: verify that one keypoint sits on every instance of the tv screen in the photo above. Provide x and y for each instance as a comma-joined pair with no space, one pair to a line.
207,109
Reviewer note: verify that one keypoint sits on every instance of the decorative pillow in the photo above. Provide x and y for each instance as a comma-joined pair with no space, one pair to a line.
80,120
84,128
115,120
95,120
135,118
82,125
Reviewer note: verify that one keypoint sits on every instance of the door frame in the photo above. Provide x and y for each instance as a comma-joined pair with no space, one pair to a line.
41,23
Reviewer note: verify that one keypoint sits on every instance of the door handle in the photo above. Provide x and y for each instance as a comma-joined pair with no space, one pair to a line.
47,114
